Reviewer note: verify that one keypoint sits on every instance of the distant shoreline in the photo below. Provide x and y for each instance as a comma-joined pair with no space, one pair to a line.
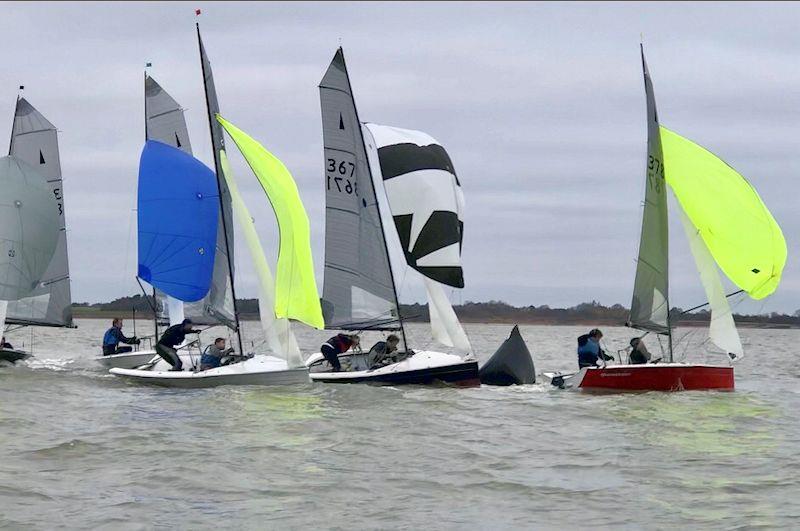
92,313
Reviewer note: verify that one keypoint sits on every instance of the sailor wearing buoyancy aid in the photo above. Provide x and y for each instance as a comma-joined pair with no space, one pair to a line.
589,351
338,344
114,336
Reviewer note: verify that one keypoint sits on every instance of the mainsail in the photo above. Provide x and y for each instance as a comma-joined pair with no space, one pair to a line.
650,304
222,296
277,332
730,217
296,294
427,205
29,221
358,292
178,210
34,140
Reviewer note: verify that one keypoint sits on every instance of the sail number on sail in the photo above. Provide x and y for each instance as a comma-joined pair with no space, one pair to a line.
655,175
57,194
342,184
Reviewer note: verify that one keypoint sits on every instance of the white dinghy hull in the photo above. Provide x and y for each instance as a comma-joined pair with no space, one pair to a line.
424,367
126,360
258,370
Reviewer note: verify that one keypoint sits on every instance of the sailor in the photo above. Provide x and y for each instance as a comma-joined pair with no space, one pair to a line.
383,352
172,337
5,344
212,356
589,351
639,353
338,344
114,336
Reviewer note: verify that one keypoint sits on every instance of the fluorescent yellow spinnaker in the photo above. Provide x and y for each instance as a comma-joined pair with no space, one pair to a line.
296,295
733,221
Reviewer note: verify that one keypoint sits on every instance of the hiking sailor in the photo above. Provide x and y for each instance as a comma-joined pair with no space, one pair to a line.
639,353
383,352
338,344
212,356
5,344
589,351
173,336
114,336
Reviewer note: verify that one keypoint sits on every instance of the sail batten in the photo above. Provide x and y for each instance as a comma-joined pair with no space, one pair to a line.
650,303
34,140
358,290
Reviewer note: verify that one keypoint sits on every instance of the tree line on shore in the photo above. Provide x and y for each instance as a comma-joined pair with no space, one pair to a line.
477,312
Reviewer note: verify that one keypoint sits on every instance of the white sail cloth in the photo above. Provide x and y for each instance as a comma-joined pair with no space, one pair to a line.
426,204
722,329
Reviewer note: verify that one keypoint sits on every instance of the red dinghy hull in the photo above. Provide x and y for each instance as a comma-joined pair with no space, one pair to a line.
657,377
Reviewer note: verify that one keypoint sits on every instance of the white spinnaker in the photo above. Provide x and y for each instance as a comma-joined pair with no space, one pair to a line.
445,327
444,323
722,329
277,332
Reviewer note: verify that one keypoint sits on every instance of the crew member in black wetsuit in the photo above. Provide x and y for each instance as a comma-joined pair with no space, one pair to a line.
338,344
5,344
172,337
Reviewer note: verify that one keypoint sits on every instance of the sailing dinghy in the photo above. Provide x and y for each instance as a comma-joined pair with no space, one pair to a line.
293,295
359,292
34,269
727,225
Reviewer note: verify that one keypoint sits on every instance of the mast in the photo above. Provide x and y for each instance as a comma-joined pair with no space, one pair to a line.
377,206
146,138
219,188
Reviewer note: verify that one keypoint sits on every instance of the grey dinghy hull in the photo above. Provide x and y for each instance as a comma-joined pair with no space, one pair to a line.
126,360
258,370
11,355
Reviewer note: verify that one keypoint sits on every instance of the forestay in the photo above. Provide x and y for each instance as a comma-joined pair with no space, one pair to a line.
34,140
734,223
427,205
221,296
29,222
358,292
296,294
178,211
650,304
277,332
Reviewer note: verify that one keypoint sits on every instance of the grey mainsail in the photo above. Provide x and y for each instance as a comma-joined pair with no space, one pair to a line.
28,228
221,297
34,140
650,305
358,290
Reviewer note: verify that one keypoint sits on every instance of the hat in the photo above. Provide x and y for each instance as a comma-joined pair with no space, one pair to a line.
187,321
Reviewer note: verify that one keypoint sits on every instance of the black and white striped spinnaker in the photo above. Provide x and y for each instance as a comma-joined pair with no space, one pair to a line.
427,206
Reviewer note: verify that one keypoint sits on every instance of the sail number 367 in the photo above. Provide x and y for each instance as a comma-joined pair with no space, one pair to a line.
340,176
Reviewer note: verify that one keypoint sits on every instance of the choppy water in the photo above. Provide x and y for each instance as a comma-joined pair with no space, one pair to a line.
82,449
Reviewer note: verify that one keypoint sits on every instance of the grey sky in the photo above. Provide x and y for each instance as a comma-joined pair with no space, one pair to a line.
541,107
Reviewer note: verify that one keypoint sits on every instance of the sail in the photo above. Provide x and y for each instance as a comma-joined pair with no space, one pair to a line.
426,201
221,304
358,292
34,140
178,209
427,204
731,218
165,122
296,295
650,304
29,221
722,329
277,332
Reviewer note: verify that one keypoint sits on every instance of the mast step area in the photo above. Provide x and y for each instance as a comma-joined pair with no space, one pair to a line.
668,377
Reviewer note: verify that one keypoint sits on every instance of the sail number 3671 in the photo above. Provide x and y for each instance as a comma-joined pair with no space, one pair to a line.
655,173
340,176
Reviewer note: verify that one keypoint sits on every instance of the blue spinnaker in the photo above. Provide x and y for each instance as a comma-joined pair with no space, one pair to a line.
178,215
